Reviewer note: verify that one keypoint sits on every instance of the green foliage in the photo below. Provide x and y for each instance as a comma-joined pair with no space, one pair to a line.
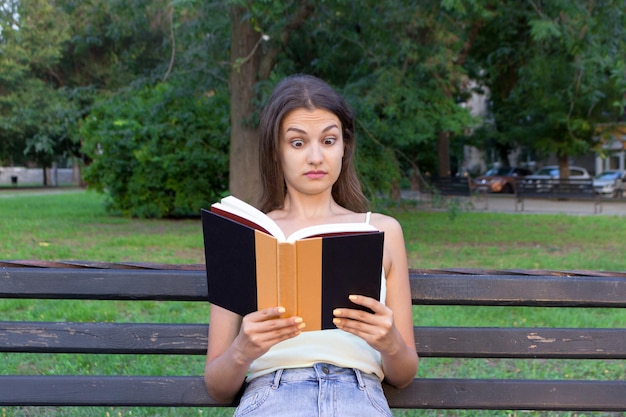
554,70
394,62
157,153
53,53
550,68
33,115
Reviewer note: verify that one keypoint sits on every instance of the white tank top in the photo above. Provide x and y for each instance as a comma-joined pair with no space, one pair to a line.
330,346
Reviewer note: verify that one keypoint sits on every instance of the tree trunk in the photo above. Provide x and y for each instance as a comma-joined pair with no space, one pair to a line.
443,139
563,166
244,145
443,154
248,66
503,155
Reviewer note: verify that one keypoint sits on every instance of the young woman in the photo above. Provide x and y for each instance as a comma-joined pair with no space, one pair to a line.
307,169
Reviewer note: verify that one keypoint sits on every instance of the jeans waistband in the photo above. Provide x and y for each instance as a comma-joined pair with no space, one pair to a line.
317,372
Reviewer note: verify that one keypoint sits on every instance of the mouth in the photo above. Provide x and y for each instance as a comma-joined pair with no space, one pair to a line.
315,174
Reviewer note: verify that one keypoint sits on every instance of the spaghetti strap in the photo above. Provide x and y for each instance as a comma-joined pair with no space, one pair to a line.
367,217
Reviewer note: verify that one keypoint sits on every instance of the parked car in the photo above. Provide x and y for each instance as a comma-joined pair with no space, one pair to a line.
552,172
610,183
500,180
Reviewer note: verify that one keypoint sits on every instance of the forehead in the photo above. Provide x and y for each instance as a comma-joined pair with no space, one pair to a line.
304,116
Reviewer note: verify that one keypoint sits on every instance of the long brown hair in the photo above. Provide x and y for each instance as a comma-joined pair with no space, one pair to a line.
305,91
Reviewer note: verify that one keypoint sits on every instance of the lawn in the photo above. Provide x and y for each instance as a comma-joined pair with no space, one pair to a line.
75,226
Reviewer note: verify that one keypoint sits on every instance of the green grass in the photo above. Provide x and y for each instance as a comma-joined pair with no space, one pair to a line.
511,241
74,226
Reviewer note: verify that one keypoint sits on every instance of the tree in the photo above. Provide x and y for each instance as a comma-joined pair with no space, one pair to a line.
252,57
31,110
159,146
556,69
58,55
382,57
157,153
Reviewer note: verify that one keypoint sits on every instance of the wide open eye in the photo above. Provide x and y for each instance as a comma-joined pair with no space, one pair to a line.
297,143
330,140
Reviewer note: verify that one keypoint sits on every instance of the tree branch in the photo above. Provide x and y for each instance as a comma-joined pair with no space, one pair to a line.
299,18
173,51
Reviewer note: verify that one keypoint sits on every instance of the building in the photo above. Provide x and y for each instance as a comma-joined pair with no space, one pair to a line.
611,151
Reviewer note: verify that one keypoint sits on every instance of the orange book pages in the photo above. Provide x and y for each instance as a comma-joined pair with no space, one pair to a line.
266,252
287,288
290,275
309,276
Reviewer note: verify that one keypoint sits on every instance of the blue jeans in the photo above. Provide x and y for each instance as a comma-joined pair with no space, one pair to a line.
322,390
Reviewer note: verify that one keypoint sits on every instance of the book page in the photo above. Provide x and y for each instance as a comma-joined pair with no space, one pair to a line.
329,229
242,209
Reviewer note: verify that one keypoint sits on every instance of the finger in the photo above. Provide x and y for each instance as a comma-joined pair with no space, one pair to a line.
362,323
270,338
371,303
380,314
264,323
264,334
375,336
353,314
267,313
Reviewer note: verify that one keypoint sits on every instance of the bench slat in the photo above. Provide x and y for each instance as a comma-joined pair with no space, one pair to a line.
186,391
459,186
103,284
557,188
545,343
191,339
519,290
422,393
112,338
426,288
490,394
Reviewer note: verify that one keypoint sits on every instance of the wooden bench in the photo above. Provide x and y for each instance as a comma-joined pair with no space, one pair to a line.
556,189
168,283
457,186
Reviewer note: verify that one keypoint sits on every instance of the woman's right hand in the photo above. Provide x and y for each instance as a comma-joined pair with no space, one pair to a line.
234,342
263,329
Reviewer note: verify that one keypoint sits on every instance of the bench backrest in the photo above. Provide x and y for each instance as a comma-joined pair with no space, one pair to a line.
459,186
165,283
556,188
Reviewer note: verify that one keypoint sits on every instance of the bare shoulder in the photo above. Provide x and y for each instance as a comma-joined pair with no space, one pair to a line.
386,223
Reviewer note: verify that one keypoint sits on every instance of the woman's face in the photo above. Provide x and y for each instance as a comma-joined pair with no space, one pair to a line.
311,150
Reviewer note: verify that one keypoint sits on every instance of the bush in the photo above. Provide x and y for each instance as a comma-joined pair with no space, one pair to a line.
157,153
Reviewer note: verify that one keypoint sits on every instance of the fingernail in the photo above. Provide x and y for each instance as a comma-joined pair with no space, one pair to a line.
353,297
298,320
281,310
337,312
337,321
301,325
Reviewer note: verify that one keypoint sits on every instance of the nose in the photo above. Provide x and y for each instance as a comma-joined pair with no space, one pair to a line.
314,156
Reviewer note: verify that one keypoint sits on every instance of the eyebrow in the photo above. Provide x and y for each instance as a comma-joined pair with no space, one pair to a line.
326,129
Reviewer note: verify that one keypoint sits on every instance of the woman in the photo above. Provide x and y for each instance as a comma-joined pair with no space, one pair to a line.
308,177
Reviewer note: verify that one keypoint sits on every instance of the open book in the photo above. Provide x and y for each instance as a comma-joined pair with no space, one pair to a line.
252,265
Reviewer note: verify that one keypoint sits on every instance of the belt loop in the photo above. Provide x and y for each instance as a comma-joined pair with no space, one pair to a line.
277,376
359,379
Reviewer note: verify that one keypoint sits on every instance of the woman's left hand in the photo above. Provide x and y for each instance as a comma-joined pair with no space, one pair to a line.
377,328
